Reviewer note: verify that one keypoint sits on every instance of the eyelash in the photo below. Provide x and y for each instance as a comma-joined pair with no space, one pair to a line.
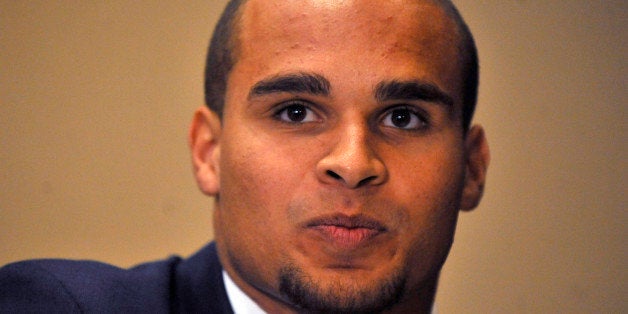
283,109
417,116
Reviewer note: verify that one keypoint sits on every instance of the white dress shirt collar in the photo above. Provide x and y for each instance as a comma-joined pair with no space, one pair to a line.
240,301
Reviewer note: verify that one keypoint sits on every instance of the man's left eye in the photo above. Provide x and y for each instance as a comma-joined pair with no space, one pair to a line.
296,113
404,118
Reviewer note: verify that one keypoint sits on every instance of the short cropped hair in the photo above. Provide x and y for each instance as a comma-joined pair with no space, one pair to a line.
221,56
223,47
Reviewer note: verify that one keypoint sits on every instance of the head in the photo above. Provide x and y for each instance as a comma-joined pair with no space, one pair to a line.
338,147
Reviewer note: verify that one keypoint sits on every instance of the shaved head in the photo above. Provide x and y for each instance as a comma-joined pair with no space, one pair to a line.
223,52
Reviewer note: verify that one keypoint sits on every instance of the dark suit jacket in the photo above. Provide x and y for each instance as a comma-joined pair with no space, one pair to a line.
173,285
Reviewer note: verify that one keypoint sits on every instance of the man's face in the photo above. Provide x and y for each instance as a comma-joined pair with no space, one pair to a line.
341,161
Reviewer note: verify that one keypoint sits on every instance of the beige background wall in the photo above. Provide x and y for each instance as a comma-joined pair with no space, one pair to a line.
96,96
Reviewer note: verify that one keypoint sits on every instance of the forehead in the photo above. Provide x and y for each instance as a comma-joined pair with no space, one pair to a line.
277,35
403,22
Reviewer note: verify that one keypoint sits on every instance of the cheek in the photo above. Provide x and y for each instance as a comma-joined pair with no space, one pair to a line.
249,219
258,180
430,188
429,178
246,180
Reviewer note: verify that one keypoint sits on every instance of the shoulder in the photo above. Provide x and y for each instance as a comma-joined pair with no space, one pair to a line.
199,284
85,286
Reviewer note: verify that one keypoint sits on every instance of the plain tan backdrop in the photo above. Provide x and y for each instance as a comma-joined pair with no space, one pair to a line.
96,97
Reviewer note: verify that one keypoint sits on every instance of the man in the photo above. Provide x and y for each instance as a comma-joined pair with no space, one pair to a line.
337,144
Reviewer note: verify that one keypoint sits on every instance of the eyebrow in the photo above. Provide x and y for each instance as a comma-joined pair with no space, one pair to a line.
411,90
302,82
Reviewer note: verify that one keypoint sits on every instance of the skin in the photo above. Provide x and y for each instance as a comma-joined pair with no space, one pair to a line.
286,188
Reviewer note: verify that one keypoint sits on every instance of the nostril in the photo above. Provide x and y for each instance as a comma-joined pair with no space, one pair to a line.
366,180
334,175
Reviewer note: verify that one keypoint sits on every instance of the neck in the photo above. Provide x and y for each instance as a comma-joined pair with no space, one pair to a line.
420,301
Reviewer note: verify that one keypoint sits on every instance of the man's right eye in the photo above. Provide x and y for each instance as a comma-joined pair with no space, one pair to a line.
296,113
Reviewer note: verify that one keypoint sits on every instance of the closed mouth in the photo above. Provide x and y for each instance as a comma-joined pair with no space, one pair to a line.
346,232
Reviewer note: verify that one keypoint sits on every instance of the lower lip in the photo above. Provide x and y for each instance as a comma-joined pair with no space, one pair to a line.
346,238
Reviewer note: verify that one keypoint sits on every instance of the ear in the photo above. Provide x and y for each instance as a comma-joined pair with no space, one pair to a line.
477,160
204,141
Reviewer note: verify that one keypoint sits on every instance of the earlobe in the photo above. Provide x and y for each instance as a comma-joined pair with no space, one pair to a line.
204,141
477,160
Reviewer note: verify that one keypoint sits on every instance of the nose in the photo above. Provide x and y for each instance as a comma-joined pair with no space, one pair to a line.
351,161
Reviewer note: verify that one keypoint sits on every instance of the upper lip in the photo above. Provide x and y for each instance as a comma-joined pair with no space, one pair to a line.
349,222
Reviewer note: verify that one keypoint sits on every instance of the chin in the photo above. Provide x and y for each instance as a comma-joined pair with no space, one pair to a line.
341,290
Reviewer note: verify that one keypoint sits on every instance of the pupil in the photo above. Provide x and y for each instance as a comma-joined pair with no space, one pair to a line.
401,117
296,113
